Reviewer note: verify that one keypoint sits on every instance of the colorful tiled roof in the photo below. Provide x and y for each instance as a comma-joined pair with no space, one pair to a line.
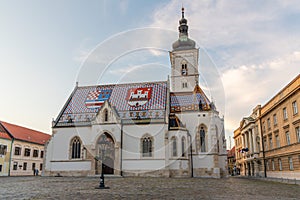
3,133
26,134
143,100
189,101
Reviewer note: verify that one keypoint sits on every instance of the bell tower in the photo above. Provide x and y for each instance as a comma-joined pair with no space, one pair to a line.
184,60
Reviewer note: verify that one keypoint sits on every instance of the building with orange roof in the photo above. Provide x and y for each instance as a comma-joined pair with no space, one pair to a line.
26,150
5,149
231,161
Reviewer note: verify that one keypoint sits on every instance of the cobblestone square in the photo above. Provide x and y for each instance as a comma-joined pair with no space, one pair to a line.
144,188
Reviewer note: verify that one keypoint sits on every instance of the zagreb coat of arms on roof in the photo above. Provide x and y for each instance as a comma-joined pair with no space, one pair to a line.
139,96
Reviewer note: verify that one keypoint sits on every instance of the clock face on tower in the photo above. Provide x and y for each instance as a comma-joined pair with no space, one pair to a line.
184,72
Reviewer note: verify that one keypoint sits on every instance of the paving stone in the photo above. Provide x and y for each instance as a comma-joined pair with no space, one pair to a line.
144,188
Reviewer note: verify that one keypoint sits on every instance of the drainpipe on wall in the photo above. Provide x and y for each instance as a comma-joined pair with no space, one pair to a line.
191,153
10,156
121,148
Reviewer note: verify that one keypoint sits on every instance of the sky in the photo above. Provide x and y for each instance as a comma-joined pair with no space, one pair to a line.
249,50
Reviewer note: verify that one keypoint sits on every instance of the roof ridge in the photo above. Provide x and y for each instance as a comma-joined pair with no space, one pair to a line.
22,127
117,84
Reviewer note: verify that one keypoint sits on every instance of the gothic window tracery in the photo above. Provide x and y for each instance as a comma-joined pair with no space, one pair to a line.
202,139
174,146
75,148
147,148
183,154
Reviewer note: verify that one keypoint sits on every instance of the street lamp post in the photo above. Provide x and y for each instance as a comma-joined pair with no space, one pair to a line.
103,143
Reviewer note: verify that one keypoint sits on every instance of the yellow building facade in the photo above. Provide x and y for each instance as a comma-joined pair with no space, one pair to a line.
268,141
247,138
21,150
25,158
5,148
280,120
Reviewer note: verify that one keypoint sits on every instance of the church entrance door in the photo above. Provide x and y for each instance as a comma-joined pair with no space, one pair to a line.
109,156
108,166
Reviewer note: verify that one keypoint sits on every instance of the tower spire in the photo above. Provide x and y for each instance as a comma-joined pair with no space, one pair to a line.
183,27
183,41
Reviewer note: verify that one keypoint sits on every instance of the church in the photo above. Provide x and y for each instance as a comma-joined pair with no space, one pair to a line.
161,129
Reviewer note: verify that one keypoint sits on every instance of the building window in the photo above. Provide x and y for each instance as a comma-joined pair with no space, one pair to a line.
183,146
76,148
41,166
267,163
184,69
17,151
291,163
265,144
15,166
3,149
147,147
297,130
269,123
202,140
27,152
285,115
105,115
264,127
273,165
0,168
288,138
271,142
295,108
42,154
280,164
184,85
35,153
277,141
174,147
25,166
275,119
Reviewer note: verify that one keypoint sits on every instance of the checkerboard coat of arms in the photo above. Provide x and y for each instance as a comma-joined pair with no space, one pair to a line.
96,98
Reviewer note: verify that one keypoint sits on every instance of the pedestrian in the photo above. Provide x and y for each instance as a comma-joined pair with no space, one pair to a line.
33,172
37,172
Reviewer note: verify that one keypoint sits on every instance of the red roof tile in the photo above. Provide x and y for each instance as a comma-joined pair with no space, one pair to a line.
231,152
3,133
26,134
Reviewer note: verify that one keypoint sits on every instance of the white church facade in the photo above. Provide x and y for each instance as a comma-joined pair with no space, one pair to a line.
168,128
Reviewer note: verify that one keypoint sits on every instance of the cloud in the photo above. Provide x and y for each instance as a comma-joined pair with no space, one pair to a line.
123,5
255,45
248,86
125,70
240,32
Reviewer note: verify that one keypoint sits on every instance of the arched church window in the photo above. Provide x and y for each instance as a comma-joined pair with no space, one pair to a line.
105,115
75,148
174,147
184,71
202,140
183,154
147,146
